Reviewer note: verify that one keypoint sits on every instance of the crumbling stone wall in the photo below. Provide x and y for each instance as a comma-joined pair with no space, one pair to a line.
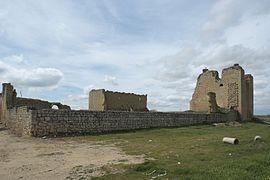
250,96
101,100
1,107
9,101
19,120
39,104
61,122
97,100
33,103
31,121
48,122
233,91
37,119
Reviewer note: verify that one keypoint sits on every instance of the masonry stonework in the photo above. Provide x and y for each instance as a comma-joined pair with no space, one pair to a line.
63,123
101,100
213,107
234,90
32,117
14,112
19,121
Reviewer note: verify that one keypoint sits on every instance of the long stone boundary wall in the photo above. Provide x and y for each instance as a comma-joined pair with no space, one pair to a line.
51,122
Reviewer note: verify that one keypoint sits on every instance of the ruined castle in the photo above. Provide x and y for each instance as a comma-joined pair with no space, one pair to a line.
114,111
234,90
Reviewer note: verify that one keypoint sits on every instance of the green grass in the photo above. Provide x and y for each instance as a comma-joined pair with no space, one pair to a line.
198,149
265,118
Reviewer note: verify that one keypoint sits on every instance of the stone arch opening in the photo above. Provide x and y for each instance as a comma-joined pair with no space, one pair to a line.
54,106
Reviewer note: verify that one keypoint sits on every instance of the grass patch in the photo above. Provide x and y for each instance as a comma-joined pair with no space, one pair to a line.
194,152
265,118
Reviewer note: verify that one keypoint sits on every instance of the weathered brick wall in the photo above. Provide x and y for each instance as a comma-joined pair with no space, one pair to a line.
19,120
62,122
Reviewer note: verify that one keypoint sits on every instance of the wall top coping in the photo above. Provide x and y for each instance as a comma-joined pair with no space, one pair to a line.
115,92
120,112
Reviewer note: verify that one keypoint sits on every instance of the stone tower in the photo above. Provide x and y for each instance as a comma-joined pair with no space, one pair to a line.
7,100
233,90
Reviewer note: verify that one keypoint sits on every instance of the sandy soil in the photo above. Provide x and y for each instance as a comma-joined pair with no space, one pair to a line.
60,158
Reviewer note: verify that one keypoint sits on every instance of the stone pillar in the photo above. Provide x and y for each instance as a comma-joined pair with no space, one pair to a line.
250,96
213,107
1,107
14,98
8,101
9,96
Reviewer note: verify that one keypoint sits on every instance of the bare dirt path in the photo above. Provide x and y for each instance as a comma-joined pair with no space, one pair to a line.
61,158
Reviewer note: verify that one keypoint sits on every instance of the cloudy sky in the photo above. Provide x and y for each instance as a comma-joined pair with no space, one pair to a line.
60,49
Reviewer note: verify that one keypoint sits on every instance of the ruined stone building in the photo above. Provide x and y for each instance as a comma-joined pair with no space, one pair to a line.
101,100
109,111
234,90
114,111
9,100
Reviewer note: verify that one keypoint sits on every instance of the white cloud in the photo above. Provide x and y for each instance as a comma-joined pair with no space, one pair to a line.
88,88
40,27
261,82
14,59
29,77
229,13
110,80
251,32
76,98
224,14
178,66
168,102
77,101
139,45
40,77
227,20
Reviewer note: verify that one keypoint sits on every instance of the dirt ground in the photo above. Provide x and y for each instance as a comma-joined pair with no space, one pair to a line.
57,158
